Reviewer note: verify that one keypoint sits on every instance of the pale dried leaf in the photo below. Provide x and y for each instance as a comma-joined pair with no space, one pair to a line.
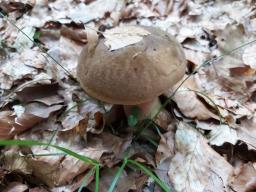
165,148
196,166
191,106
14,161
77,12
221,134
22,41
16,187
244,178
249,57
120,37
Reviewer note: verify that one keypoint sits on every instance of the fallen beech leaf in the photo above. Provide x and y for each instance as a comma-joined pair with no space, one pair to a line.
125,183
165,148
44,93
14,70
33,58
191,106
243,180
163,119
221,134
22,41
57,170
11,125
16,187
162,172
242,71
247,132
249,56
120,37
38,189
76,13
14,161
74,34
95,116
196,166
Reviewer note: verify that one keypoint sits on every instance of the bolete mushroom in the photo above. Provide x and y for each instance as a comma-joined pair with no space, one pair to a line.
133,75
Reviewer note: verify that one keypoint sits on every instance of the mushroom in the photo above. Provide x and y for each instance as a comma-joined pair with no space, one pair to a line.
133,75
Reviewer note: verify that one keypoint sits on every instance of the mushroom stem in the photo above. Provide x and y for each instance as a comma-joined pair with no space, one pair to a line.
146,110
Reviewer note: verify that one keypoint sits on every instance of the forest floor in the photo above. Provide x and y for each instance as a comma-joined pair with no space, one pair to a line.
55,137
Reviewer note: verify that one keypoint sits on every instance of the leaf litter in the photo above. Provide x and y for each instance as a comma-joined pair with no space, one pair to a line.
186,147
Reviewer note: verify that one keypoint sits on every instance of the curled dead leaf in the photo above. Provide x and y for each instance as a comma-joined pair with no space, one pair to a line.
11,124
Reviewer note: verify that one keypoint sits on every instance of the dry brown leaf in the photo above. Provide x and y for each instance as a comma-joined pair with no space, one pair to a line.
57,170
38,189
192,107
14,161
243,180
16,187
123,36
162,172
163,119
196,166
165,148
247,132
65,52
44,93
14,69
125,183
78,35
76,13
12,124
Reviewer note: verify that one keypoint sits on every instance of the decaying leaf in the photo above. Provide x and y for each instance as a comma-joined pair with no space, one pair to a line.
12,124
221,134
249,56
125,184
33,88
120,37
165,148
196,166
15,186
245,179
189,103
23,41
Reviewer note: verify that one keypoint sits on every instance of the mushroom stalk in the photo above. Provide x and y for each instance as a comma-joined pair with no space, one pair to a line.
146,110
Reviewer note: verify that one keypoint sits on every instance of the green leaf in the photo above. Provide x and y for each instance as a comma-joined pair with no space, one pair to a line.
146,170
117,176
97,179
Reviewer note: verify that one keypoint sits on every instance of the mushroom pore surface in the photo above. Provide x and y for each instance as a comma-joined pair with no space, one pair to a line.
133,74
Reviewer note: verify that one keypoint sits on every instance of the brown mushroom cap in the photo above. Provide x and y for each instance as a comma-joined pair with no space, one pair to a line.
133,74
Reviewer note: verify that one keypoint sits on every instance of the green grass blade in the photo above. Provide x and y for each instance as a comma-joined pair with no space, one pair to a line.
146,170
117,176
97,178
86,178
48,154
33,143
